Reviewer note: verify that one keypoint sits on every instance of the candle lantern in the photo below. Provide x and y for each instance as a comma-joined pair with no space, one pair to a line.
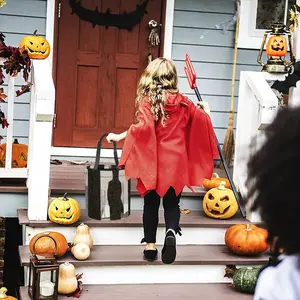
43,276
276,50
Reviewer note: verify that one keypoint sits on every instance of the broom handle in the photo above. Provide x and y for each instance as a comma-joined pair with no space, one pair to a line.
231,112
235,192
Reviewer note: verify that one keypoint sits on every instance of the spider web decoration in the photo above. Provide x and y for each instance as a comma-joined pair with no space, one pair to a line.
121,21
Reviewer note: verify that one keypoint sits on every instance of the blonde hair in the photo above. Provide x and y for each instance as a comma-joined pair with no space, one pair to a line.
159,77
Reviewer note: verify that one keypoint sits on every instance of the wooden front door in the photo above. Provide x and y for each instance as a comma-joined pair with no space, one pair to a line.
97,72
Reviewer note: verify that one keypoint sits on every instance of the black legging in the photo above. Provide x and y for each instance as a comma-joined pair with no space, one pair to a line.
150,215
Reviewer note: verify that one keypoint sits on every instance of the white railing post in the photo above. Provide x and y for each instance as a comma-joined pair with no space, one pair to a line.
294,97
40,138
257,107
10,120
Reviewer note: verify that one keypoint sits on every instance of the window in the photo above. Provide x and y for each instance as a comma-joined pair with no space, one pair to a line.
256,18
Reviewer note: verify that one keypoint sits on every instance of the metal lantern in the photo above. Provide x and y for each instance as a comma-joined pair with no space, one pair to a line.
43,276
276,50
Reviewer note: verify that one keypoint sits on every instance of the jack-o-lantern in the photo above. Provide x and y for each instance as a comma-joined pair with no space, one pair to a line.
220,203
37,46
276,46
19,155
64,210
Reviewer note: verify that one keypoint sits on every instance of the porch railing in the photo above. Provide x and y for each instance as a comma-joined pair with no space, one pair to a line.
257,107
40,136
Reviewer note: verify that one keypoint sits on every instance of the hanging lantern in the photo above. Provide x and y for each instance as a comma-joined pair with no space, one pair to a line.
276,50
43,276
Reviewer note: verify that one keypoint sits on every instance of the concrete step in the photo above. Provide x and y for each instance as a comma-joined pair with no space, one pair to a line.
157,291
125,265
197,229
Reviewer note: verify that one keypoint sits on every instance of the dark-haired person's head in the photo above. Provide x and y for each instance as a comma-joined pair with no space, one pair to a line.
274,180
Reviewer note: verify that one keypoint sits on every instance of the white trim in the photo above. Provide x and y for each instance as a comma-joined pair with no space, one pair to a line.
249,36
81,152
50,28
169,29
168,37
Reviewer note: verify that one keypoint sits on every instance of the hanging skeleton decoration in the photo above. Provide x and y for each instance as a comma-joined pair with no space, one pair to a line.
121,21
153,39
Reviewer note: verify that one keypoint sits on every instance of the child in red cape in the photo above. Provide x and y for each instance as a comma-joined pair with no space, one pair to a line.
171,146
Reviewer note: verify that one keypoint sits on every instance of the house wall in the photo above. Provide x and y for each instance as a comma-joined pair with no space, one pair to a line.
17,19
212,55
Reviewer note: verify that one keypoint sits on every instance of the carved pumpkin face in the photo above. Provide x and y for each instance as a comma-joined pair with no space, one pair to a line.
64,210
220,203
19,155
37,46
277,46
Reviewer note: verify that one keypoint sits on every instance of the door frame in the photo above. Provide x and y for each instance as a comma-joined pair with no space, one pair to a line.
51,36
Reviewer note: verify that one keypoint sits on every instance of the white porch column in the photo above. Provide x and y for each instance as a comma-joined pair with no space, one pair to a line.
257,106
40,138
294,98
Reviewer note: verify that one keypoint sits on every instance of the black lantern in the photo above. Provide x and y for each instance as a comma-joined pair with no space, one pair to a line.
43,276
277,49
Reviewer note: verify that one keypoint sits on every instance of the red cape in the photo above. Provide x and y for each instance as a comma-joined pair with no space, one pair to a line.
178,155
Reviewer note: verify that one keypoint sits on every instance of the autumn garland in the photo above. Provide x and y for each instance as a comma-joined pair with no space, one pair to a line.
16,60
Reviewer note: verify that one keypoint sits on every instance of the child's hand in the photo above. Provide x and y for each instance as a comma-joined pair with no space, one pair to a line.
112,137
204,105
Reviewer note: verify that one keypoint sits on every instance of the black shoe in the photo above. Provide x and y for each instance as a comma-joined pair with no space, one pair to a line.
168,253
150,254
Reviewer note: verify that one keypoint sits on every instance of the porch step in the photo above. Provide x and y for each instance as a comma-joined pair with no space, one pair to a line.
197,229
125,265
157,291
132,256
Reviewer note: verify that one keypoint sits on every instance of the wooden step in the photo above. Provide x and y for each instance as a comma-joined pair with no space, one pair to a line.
125,265
197,229
158,291
194,219
68,178
132,255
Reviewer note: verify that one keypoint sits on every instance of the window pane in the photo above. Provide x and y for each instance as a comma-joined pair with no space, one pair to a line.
269,12
290,5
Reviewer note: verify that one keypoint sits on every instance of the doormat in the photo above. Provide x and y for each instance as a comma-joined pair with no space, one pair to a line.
121,21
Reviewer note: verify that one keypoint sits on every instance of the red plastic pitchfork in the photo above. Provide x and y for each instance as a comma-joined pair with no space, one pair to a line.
191,76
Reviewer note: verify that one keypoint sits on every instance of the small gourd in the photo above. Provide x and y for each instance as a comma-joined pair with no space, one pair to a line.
81,251
3,295
83,235
244,279
67,280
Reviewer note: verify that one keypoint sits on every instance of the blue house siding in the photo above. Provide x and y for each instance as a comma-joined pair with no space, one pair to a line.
212,55
17,19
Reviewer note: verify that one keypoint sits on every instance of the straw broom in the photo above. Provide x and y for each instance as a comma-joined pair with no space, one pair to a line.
228,146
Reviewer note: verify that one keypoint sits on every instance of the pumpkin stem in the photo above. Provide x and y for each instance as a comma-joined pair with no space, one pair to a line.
215,175
3,292
222,186
35,32
248,227
16,141
230,270
65,197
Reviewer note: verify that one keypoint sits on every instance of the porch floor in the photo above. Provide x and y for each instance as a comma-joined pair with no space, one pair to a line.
159,291
70,178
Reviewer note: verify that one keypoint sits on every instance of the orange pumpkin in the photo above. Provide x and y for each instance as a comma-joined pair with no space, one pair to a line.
37,46
43,244
214,182
19,155
3,295
276,46
246,239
